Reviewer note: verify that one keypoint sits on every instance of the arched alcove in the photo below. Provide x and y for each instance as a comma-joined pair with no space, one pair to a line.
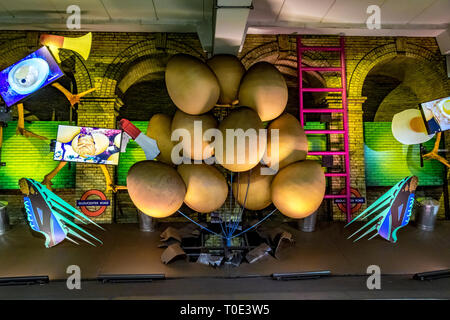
399,83
146,97
139,60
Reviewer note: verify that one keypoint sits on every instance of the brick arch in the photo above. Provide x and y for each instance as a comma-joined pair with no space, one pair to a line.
140,70
13,50
285,61
381,54
138,61
269,50
78,69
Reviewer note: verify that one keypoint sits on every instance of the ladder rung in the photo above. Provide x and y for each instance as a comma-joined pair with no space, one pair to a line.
335,196
327,153
343,91
323,110
315,48
335,174
321,89
324,131
321,69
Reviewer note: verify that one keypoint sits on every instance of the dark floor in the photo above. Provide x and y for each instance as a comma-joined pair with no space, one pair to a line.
261,288
126,250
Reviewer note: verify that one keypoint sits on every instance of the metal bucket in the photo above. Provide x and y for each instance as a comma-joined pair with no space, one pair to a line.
308,224
426,214
146,223
4,218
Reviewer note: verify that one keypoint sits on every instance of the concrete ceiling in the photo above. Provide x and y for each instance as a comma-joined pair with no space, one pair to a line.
398,17
106,15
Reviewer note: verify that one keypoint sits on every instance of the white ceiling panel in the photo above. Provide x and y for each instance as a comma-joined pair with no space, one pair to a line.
130,9
266,10
350,11
230,30
398,17
437,13
27,9
90,9
238,3
304,10
3,12
402,11
179,9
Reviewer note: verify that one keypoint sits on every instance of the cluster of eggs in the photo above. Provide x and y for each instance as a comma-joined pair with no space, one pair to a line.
258,95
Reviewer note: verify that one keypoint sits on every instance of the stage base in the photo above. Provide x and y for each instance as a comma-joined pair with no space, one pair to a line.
126,250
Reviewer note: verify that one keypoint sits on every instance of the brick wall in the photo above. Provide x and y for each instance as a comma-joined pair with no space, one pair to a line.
122,61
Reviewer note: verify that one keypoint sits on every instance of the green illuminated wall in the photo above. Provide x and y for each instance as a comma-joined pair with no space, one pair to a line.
31,157
134,154
316,142
388,161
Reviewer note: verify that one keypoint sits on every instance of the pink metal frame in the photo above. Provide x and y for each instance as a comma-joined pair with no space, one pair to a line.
343,110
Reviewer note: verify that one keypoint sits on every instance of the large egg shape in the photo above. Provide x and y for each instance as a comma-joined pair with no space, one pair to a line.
155,188
292,144
191,84
298,189
191,131
251,189
244,140
159,129
264,89
206,186
229,71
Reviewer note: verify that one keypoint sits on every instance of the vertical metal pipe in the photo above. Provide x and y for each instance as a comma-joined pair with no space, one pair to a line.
308,224
4,219
345,122
146,223
300,79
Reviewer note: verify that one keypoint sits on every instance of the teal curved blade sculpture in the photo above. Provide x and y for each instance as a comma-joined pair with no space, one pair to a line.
53,217
389,213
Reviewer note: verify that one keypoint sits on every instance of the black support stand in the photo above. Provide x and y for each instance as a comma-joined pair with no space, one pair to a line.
20,281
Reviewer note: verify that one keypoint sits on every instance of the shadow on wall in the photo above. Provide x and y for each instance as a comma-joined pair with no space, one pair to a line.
397,84
144,99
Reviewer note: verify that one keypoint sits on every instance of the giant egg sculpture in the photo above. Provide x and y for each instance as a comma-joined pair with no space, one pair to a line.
243,143
207,188
155,188
229,71
191,84
159,129
298,189
292,142
251,189
264,89
191,129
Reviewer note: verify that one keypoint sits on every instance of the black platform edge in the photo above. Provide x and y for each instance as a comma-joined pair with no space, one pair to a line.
432,275
127,278
26,280
300,275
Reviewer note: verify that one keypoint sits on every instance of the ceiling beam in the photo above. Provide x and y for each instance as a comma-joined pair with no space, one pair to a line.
230,25
443,40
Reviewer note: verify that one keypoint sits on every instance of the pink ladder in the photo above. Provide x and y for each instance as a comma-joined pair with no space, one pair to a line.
343,110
